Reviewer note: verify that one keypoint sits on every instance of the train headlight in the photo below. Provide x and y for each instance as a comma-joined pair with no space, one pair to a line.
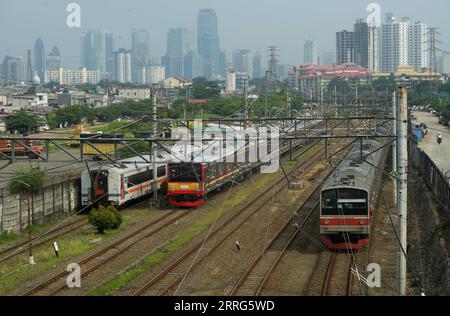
362,222
326,222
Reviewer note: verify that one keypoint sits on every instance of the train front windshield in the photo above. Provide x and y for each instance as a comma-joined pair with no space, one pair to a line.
185,172
344,202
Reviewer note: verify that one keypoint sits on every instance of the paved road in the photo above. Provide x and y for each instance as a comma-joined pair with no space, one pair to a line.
439,153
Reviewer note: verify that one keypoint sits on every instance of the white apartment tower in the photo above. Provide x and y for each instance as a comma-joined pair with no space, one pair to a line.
403,43
122,66
418,46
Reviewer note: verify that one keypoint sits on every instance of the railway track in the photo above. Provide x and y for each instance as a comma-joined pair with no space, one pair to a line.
259,271
49,236
338,279
57,283
166,281
257,274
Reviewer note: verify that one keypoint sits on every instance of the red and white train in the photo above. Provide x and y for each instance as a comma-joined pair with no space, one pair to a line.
129,180
189,183
349,197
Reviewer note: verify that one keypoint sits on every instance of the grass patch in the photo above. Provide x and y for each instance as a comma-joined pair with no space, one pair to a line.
6,238
16,271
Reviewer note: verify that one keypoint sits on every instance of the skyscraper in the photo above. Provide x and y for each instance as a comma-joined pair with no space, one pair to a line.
122,65
13,71
367,45
418,45
54,59
394,44
443,64
310,53
178,45
93,54
345,48
208,41
327,59
243,61
29,67
193,65
39,59
140,49
109,55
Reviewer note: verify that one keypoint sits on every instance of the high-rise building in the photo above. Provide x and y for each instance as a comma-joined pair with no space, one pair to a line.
29,67
443,64
13,70
173,65
243,61
327,59
260,63
395,50
109,55
122,65
72,77
140,48
179,43
54,59
310,53
93,53
208,42
345,48
237,81
418,45
367,45
39,59
153,74
193,65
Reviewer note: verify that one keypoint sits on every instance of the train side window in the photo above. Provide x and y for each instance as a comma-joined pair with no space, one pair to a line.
161,172
139,178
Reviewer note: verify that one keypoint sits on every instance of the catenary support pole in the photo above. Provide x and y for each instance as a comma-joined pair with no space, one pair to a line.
154,149
402,187
394,144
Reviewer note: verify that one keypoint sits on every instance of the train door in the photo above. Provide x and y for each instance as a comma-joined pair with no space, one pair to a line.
100,187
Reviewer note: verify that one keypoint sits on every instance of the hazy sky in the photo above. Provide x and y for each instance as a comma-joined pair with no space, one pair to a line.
251,24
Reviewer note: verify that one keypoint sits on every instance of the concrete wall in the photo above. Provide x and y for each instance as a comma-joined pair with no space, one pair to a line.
54,201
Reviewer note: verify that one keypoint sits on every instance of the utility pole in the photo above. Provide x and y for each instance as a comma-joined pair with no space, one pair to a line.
335,100
154,150
402,187
394,144
30,246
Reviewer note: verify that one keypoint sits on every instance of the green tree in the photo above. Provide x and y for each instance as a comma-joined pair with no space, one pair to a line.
31,179
72,114
204,89
22,122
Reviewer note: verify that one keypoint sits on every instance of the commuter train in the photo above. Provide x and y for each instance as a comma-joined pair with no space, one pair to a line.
189,183
128,180
349,197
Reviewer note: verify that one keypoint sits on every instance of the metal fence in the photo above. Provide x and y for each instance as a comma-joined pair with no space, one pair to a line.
436,181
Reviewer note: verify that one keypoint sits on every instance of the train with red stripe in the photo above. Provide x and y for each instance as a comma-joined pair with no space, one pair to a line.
189,183
349,196
127,180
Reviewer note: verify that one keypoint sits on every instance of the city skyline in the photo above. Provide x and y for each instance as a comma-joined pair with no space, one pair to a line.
254,36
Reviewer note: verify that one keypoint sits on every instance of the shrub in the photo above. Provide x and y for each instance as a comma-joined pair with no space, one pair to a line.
117,215
105,218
